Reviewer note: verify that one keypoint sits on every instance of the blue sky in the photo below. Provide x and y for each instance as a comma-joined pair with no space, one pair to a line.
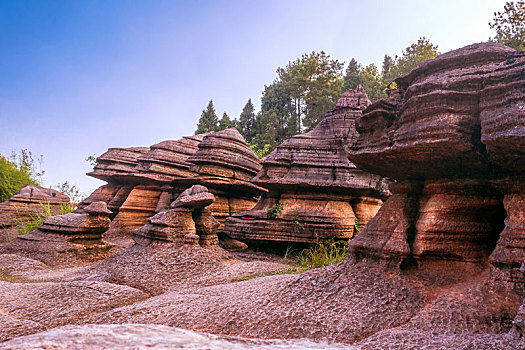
78,77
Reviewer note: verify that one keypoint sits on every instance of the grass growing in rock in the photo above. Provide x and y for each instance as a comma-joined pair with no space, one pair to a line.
321,254
37,219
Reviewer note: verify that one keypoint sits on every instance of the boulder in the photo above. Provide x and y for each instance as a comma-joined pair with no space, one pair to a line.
196,197
185,222
66,240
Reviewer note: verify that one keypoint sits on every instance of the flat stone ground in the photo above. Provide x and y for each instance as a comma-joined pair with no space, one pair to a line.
159,295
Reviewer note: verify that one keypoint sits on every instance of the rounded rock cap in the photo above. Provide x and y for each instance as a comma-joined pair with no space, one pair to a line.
98,208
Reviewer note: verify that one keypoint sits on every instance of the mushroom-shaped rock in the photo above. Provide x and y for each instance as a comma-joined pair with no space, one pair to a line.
225,154
98,209
167,160
86,226
224,163
453,135
310,177
117,164
30,200
167,226
196,197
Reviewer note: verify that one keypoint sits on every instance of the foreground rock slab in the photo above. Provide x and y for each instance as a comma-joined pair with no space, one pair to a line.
134,336
30,307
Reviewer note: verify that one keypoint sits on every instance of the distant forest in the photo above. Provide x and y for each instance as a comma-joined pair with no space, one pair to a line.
308,87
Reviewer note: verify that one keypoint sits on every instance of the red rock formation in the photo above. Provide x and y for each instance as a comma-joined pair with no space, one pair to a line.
29,201
312,178
66,240
144,181
185,222
454,133
167,160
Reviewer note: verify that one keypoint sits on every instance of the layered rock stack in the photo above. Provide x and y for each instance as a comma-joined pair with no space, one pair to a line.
66,240
31,200
453,135
185,222
225,164
88,226
311,179
144,181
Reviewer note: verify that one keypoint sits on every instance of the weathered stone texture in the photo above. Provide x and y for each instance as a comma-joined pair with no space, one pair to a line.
30,200
140,204
118,164
185,222
167,160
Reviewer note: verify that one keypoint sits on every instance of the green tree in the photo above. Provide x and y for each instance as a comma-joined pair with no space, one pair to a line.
375,82
412,57
353,78
226,122
510,25
208,120
246,124
315,83
15,173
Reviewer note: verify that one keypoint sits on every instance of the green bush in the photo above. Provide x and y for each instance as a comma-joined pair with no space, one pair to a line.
275,210
13,177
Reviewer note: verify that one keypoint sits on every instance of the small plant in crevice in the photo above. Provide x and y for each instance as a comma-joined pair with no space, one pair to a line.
323,253
275,210
297,221
357,225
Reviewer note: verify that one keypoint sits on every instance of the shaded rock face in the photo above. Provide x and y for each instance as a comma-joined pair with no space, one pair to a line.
320,190
186,222
453,133
27,202
66,240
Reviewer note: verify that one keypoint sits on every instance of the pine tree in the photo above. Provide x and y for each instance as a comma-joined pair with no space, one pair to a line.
226,122
208,120
246,125
510,25
353,77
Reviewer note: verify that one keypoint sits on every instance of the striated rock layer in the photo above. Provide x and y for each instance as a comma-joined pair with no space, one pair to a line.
225,164
145,181
186,222
321,192
453,133
66,240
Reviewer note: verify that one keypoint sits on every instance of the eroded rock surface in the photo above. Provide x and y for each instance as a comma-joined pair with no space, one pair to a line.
152,336
30,307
